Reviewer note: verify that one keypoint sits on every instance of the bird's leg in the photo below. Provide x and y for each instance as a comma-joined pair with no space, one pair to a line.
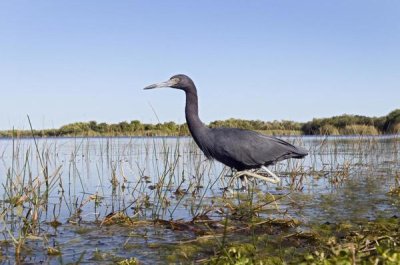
238,174
273,179
246,182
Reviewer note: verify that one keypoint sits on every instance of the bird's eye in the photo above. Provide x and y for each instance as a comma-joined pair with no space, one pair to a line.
175,80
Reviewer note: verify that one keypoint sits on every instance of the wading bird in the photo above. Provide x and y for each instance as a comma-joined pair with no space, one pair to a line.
248,152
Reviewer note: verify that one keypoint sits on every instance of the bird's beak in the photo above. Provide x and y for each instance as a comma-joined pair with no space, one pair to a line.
168,83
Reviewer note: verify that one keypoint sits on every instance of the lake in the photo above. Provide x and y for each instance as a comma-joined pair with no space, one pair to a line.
103,200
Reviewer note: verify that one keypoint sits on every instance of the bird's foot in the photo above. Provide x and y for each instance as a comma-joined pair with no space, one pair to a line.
272,178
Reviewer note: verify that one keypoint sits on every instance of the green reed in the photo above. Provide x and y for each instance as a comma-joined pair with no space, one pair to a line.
147,179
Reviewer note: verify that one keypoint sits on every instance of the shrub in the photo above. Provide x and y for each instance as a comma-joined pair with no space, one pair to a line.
360,130
328,129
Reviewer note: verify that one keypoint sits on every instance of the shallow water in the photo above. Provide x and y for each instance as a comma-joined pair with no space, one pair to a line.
342,179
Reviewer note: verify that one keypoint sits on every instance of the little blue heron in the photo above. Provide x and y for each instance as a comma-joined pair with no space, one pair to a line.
243,150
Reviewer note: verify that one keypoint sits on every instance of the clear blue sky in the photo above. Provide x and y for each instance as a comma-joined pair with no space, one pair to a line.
66,61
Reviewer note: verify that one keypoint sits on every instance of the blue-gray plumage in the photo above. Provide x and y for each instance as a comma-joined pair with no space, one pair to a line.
236,148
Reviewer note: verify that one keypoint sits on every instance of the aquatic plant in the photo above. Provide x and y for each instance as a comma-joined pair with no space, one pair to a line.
104,196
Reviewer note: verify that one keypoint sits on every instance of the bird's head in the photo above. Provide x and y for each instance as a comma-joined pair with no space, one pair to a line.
182,82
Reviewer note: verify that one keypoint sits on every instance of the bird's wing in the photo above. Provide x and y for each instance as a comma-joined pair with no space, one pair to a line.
251,148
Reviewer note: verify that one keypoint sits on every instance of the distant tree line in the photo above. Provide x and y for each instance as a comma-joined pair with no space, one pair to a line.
338,125
354,124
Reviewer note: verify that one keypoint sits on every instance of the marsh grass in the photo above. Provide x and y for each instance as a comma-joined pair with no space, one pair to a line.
357,129
147,183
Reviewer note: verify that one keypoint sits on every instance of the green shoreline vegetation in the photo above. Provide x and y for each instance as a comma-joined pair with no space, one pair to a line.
337,125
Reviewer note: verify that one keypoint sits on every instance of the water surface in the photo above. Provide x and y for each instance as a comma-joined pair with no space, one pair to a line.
168,178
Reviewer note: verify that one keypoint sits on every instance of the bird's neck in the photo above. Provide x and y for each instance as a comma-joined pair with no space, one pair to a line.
192,113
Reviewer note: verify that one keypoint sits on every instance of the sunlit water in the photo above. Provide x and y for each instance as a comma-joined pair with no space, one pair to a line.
342,179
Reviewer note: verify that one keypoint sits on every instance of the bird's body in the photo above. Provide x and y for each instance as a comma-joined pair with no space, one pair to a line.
244,149
237,148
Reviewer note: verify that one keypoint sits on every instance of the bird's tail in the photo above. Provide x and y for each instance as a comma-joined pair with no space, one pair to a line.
300,152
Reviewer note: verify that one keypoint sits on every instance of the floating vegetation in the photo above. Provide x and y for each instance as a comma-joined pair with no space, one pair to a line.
131,261
374,242
153,200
